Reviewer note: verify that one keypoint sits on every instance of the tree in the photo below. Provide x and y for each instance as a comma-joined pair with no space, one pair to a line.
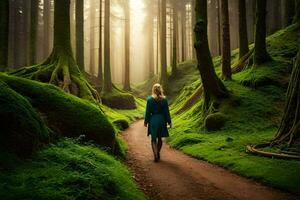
297,12
175,36
60,68
92,37
260,50
127,47
289,130
33,30
163,43
214,89
243,36
46,17
183,31
100,60
79,34
226,51
151,41
289,11
107,86
4,16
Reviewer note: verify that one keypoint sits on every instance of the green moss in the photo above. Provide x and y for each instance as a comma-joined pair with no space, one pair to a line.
214,121
22,129
65,114
118,99
68,171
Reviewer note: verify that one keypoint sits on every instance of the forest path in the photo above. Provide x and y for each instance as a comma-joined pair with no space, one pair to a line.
180,177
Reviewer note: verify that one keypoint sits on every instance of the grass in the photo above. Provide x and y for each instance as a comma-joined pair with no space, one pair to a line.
68,170
252,116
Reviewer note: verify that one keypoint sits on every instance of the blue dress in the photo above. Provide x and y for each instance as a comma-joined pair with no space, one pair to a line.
157,116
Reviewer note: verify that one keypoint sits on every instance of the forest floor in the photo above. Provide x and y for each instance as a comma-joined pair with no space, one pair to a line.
178,176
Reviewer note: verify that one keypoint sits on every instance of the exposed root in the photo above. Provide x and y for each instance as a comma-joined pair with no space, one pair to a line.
62,71
243,62
192,100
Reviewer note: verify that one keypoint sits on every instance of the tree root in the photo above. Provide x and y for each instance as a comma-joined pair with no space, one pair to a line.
62,71
243,62
192,100
284,155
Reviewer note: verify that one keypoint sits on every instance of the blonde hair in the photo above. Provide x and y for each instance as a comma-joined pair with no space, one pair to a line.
158,92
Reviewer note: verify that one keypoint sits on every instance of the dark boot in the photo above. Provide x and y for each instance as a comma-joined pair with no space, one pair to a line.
159,145
155,150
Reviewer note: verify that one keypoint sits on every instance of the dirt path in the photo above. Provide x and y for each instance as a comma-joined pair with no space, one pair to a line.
180,177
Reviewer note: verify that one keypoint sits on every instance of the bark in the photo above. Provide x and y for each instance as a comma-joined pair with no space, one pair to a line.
12,31
183,32
100,60
163,43
193,24
79,34
289,130
226,51
92,38
243,36
127,48
33,30
151,44
175,35
107,71
260,50
213,86
4,27
219,28
47,30
289,12
297,12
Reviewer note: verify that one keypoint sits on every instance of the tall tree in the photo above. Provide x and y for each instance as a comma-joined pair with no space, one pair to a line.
175,36
107,85
260,50
226,51
289,11
163,43
127,47
100,60
183,31
92,37
297,12
151,41
219,27
214,89
243,36
60,68
4,16
46,17
33,30
79,34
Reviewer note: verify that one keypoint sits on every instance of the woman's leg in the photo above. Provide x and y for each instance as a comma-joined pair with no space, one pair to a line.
154,148
159,145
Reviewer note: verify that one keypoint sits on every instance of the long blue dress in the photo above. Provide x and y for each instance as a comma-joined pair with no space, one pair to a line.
157,117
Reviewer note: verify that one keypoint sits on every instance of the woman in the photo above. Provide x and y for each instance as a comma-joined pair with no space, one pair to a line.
157,117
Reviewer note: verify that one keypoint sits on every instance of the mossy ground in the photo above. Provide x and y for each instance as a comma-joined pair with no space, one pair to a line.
118,99
252,115
67,170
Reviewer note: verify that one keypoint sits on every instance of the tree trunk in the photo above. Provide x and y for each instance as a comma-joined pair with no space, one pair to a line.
4,24
219,28
226,51
33,30
107,72
193,24
183,32
11,36
80,34
243,36
260,50
297,12
289,12
213,86
289,130
127,48
175,35
100,60
163,43
151,43
92,37
46,16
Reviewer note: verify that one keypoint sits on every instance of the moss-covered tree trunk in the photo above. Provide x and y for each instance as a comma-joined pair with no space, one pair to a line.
260,50
163,43
127,48
33,30
107,85
60,68
243,36
297,12
175,36
226,51
214,89
4,16
79,34
289,130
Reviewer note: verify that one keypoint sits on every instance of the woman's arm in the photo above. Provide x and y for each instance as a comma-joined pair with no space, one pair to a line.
147,113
